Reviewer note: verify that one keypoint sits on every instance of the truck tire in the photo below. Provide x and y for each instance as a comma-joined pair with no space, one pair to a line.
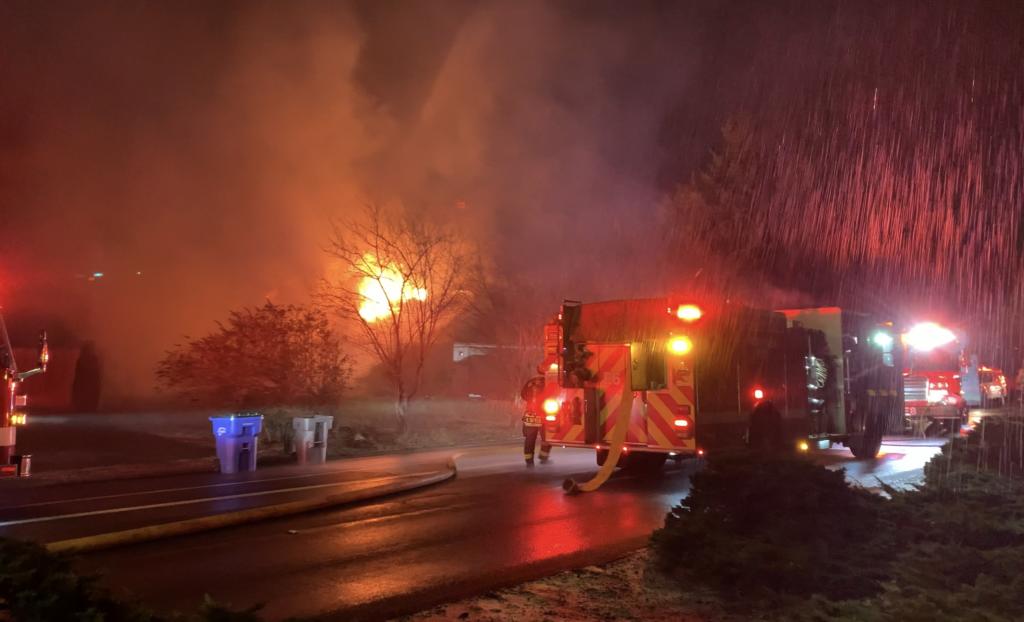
865,446
935,429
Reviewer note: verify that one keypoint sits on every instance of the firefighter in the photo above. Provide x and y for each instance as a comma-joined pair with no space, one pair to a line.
533,421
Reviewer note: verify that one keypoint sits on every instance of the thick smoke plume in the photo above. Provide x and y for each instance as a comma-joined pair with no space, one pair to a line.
194,152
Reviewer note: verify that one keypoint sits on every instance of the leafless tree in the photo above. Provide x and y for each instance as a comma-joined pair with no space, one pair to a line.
400,280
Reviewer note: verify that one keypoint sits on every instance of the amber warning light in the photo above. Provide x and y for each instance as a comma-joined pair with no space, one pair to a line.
680,345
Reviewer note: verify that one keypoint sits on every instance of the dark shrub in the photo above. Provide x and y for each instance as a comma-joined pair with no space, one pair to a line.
991,458
39,586
761,525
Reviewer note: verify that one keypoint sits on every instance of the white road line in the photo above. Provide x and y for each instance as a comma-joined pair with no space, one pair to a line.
363,484
182,488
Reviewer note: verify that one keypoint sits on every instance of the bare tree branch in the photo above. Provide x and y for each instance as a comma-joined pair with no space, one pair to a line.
402,282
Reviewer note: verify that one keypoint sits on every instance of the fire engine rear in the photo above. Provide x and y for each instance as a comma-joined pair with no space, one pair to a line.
653,378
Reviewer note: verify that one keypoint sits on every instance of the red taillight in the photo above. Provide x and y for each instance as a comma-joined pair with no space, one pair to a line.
551,418
758,394
683,425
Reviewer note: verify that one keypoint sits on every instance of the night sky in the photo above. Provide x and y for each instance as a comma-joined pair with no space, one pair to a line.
207,145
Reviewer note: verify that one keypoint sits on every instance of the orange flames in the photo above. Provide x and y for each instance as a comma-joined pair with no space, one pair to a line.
383,289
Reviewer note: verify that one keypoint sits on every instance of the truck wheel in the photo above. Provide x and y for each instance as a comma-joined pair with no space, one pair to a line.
935,429
865,446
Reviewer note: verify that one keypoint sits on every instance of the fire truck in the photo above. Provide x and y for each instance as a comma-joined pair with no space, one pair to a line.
941,380
12,400
640,381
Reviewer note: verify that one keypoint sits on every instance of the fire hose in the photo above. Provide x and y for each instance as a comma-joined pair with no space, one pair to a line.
615,447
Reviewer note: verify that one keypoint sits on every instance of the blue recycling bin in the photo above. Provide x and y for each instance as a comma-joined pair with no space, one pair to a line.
237,438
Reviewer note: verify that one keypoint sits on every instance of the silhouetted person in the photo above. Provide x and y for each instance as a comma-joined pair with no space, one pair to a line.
86,387
533,421
765,432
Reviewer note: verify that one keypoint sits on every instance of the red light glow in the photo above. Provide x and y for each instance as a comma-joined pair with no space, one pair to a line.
689,313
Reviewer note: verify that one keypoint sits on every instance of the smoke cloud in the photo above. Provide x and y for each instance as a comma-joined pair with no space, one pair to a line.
193,153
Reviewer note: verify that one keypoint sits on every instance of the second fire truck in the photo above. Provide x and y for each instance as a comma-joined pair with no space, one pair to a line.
643,380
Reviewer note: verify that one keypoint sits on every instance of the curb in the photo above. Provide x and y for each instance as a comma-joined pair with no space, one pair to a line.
193,466
217,521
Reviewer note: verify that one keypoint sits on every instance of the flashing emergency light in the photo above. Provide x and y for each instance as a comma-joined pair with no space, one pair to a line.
803,446
551,406
553,367
928,336
680,345
550,418
689,313
882,339
19,419
682,423
759,394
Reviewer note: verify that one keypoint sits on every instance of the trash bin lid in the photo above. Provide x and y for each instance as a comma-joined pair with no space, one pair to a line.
231,425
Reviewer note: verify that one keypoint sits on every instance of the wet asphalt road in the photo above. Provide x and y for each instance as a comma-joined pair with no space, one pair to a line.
50,513
496,524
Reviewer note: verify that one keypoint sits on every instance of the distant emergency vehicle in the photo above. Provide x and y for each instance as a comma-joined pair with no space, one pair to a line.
994,391
942,380
12,401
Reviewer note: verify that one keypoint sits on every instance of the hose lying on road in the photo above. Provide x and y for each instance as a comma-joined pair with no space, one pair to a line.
618,442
